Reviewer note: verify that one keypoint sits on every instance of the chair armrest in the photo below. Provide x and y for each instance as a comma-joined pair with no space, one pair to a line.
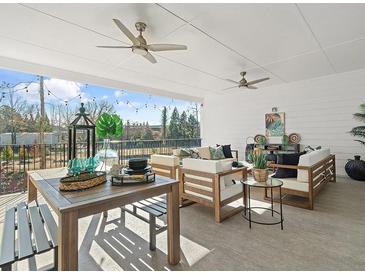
235,151
290,166
233,171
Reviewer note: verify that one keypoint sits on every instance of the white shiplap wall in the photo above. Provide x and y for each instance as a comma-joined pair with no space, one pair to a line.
320,110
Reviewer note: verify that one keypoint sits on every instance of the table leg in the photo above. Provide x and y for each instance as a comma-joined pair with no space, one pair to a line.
173,225
272,203
68,241
249,205
32,190
281,209
245,198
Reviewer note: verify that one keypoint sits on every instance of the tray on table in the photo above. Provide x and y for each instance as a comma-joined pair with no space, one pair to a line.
82,181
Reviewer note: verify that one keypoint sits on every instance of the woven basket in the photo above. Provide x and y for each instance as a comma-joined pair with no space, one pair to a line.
260,175
83,181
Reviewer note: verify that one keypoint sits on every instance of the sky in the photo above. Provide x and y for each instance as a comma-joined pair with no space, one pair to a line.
129,105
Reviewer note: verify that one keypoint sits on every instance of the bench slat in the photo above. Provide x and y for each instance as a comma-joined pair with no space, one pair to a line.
40,236
50,223
153,206
24,237
147,209
7,254
159,203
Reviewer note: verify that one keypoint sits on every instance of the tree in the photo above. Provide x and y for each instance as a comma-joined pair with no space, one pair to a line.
183,125
193,125
164,122
174,130
147,133
96,108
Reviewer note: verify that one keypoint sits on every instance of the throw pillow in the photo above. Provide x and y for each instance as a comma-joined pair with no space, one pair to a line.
216,153
184,153
204,152
287,159
226,151
194,153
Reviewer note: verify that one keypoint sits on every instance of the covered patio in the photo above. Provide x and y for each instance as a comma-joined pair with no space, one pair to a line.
278,86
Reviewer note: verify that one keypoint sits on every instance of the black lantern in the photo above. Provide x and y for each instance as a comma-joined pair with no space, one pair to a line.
82,122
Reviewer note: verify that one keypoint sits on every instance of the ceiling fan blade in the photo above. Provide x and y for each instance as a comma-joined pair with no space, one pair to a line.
165,47
229,80
231,88
127,32
251,87
150,58
257,81
113,47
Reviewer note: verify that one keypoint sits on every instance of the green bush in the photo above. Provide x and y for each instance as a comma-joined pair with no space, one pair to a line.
8,153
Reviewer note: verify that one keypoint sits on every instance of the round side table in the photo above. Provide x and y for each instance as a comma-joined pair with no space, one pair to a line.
270,184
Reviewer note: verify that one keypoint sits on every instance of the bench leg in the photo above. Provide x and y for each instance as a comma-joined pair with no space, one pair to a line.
152,232
6,267
55,258
122,217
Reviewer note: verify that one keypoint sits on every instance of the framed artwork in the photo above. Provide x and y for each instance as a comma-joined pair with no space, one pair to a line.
275,124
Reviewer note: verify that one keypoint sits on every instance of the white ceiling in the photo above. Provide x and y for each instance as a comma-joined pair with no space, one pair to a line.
286,42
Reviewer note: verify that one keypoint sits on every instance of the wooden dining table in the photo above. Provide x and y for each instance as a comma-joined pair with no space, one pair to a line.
73,205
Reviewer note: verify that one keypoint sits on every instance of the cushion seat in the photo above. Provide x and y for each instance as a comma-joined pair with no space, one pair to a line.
226,193
294,184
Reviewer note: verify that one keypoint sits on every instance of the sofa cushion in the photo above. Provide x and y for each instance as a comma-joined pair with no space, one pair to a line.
204,152
210,166
310,159
216,153
287,159
166,160
226,192
294,184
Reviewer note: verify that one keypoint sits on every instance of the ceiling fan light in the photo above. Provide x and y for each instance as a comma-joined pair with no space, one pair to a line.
139,51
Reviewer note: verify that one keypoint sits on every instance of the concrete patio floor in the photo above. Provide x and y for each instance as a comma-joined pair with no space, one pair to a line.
331,237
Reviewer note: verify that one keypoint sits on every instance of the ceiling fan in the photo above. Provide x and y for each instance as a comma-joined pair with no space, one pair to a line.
244,84
140,45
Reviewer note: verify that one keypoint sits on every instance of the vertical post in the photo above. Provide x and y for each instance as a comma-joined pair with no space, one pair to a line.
69,144
93,143
41,124
88,143
74,143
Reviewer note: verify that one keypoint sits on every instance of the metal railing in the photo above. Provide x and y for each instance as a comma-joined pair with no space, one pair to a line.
15,160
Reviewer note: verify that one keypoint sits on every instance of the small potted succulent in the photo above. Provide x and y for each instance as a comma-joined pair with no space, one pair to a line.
259,162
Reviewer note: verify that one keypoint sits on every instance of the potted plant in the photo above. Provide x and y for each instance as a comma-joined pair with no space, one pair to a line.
108,126
356,168
259,162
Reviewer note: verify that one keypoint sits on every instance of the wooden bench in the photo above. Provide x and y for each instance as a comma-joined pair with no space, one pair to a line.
155,207
24,234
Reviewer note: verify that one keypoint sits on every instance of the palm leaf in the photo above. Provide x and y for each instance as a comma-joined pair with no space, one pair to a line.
360,141
360,116
358,131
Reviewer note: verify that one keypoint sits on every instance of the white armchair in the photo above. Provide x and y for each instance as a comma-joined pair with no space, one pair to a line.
209,182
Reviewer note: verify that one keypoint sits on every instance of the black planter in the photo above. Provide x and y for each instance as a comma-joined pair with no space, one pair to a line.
356,169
